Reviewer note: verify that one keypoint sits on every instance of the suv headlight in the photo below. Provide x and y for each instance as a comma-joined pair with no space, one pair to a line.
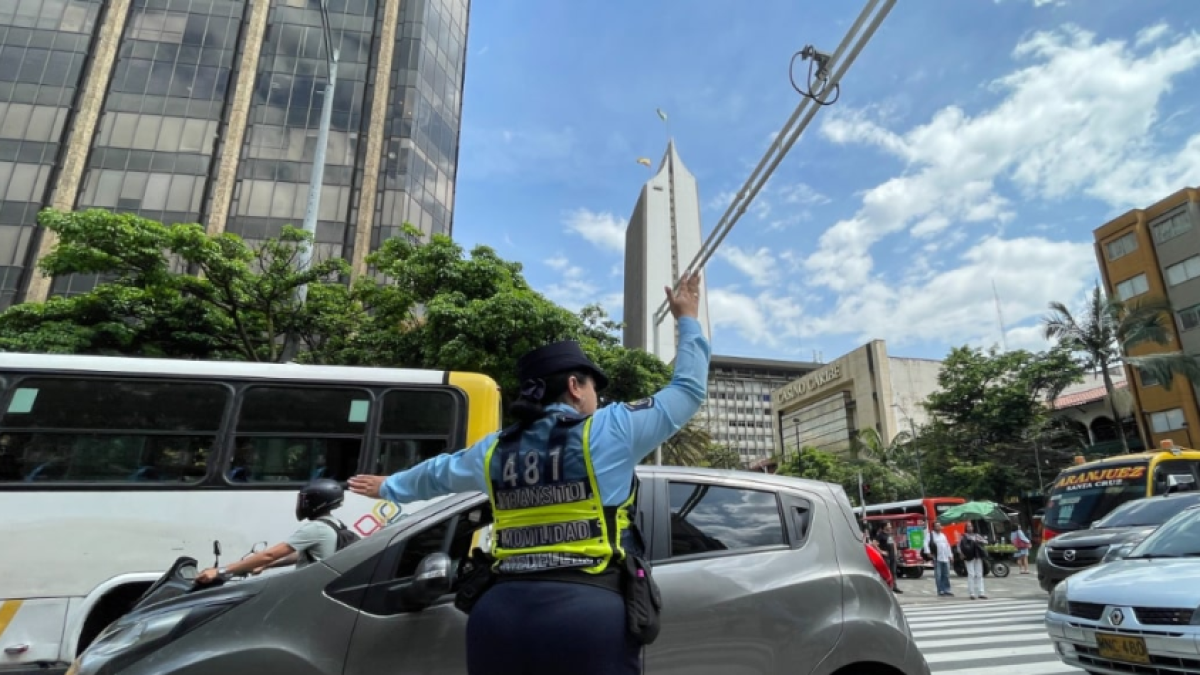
1117,552
1058,598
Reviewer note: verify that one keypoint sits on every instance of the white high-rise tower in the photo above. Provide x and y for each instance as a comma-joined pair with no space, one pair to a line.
663,237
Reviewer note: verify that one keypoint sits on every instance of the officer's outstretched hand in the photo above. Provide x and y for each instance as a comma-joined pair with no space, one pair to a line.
367,486
687,301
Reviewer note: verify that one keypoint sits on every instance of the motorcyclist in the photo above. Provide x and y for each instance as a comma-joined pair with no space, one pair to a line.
314,540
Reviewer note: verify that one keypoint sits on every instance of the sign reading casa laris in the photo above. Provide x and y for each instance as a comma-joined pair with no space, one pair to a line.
811,383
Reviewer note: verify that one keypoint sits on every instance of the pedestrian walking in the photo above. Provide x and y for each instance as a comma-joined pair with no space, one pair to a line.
1022,543
548,600
938,548
971,550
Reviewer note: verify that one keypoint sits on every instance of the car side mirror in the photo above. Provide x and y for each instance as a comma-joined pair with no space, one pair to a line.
431,581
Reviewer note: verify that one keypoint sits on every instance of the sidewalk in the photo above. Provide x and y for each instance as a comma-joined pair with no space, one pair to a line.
1014,586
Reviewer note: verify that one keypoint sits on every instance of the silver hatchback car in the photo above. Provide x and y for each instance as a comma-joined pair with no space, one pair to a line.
760,575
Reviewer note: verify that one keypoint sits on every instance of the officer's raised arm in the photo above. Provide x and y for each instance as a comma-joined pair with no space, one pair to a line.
648,423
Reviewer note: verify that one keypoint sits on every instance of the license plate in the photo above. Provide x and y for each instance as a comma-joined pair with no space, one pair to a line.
1122,648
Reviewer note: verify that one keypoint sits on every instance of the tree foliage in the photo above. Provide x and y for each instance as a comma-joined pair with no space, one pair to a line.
883,483
175,291
990,422
1108,331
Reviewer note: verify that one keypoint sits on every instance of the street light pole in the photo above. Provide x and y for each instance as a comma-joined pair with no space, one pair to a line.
852,44
304,259
912,425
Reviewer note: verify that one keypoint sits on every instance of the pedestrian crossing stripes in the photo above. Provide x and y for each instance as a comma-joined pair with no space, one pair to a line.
985,637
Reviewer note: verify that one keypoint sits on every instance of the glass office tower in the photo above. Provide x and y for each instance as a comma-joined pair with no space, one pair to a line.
207,111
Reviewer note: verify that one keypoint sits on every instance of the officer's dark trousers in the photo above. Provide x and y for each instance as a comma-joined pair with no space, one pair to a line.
550,628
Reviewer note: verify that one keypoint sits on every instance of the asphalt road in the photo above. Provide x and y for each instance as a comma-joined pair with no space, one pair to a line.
1014,586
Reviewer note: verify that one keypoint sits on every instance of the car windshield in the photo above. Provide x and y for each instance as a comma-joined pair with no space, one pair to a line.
1083,496
1179,537
1153,511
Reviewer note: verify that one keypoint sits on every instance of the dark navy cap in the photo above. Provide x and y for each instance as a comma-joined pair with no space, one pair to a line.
556,358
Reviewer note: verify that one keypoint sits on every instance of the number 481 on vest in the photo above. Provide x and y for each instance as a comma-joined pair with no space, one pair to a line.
531,467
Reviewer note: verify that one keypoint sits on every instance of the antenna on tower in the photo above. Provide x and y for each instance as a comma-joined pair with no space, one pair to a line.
1000,318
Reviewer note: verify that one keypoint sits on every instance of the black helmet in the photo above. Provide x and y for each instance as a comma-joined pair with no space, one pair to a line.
318,497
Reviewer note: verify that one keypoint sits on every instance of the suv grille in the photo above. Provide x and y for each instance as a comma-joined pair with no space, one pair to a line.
1159,616
1079,557
1085,610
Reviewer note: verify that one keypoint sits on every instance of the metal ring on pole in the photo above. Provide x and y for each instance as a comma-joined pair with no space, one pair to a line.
853,42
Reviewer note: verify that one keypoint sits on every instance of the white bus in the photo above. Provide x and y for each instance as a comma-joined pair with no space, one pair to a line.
111,468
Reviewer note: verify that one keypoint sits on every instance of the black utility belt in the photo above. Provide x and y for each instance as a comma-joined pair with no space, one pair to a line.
630,578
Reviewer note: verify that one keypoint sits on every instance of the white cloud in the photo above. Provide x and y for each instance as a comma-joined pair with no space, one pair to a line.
779,207
956,304
602,229
759,265
1077,118
558,262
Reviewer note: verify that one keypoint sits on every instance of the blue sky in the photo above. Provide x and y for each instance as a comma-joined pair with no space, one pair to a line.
976,142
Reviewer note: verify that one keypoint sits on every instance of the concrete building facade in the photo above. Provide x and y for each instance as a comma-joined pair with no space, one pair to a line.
1155,253
663,237
206,111
737,412
863,389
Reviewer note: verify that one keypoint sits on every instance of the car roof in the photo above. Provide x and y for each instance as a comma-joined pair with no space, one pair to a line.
737,476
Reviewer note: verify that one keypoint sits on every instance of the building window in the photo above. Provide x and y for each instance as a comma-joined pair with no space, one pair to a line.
1147,379
1171,227
1133,287
1181,272
1167,420
1189,318
1122,246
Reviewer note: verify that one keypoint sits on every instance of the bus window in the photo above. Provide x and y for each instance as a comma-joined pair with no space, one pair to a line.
1083,496
1173,467
99,430
298,434
415,425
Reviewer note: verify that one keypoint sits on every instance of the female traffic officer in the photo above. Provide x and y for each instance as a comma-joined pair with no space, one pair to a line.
561,484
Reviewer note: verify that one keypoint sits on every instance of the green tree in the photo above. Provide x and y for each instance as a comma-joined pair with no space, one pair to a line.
1109,329
886,484
429,305
978,444
239,307
720,457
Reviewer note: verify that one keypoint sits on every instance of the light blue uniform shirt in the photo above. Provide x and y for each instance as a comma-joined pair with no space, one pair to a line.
622,435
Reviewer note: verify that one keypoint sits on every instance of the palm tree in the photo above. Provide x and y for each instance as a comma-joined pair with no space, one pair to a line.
1109,330
688,447
869,441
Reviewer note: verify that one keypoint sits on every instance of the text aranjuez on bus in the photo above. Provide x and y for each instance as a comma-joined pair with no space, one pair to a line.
1087,492
111,468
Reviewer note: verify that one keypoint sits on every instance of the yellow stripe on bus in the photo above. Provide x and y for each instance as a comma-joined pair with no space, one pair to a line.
8,609
483,410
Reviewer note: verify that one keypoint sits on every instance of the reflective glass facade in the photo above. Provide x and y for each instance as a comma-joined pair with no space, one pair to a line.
152,153
420,150
184,135
281,141
43,49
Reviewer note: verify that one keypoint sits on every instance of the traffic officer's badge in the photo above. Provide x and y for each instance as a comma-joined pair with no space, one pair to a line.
644,404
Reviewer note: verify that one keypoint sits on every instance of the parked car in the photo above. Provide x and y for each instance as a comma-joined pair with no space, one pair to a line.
1140,614
760,574
1109,538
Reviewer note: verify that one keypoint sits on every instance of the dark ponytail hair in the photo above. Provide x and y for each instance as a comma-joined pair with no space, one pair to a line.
530,406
